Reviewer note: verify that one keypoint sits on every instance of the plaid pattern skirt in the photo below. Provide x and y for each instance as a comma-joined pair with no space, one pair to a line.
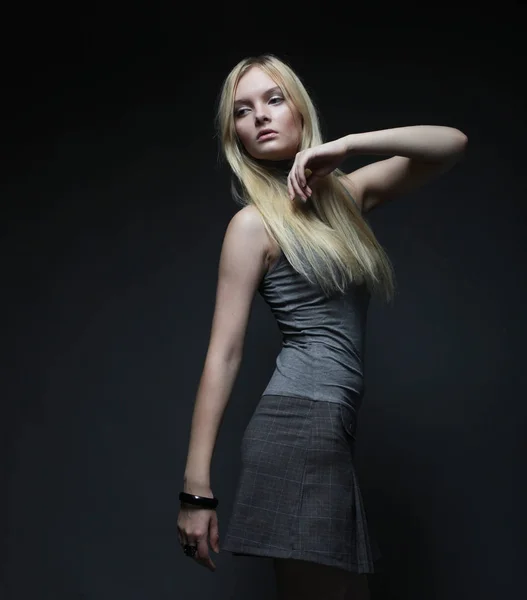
297,494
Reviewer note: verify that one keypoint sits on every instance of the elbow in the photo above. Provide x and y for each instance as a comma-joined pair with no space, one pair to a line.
231,356
460,144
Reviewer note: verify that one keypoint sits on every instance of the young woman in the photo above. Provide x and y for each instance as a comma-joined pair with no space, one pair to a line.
302,241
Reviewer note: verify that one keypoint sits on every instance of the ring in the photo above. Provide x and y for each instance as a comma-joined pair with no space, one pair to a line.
190,550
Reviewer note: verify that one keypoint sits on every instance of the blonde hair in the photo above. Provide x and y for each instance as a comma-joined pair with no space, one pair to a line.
326,239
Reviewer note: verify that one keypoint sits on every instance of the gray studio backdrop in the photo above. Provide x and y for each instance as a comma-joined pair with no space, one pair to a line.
115,208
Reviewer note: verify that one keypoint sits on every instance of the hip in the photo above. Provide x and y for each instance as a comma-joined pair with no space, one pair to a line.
281,421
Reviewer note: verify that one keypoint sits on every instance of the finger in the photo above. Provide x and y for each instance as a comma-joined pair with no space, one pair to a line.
290,182
309,178
301,172
290,187
300,178
296,190
182,536
296,185
214,534
187,539
203,554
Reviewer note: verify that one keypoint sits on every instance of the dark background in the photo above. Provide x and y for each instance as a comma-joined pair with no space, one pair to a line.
114,206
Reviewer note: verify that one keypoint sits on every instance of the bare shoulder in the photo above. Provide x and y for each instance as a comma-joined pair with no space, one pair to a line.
249,216
249,220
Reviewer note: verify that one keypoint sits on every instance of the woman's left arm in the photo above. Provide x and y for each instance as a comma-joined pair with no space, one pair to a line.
419,153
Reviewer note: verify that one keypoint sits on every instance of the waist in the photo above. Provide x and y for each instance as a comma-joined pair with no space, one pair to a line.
339,360
315,374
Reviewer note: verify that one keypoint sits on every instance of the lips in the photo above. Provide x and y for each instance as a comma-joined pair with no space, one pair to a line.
265,132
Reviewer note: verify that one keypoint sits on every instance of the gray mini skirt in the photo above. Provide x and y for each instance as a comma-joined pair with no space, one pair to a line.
297,494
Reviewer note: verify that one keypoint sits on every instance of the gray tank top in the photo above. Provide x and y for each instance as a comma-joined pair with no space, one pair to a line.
322,338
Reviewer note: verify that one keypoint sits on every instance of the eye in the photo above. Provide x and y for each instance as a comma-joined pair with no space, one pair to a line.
276,99
240,112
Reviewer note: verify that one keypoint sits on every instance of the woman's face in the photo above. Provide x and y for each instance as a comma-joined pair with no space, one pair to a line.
268,127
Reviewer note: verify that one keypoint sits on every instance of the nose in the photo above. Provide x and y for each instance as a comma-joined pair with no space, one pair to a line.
261,115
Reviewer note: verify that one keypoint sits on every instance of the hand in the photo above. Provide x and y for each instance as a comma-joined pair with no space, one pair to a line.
195,526
312,164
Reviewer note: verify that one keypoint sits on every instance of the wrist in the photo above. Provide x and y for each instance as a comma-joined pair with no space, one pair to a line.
348,143
197,487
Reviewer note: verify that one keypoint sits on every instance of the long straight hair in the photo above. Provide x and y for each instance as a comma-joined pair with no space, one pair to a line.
326,240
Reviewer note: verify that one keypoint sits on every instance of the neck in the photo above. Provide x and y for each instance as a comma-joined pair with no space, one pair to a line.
280,167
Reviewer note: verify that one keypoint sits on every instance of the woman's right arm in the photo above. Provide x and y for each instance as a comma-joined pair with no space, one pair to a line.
242,265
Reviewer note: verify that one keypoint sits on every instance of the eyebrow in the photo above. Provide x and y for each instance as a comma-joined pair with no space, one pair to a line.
270,91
